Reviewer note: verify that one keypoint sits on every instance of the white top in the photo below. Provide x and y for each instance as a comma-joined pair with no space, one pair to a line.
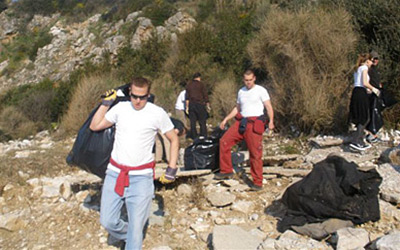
180,101
358,81
251,101
135,132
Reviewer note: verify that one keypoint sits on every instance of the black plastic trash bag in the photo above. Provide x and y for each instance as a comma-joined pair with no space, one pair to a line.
92,150
335,188
203,153
376,121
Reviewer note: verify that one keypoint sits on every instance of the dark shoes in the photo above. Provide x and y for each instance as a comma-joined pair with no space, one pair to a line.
254,187
223,176
360,147
112,241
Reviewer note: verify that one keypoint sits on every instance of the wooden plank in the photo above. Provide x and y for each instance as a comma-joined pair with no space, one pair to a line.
188,173
283,171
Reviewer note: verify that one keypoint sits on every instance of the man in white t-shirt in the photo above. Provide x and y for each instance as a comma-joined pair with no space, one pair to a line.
249,126
129,175
180,106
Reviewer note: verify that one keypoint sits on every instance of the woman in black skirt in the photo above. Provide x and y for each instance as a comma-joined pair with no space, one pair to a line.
359,104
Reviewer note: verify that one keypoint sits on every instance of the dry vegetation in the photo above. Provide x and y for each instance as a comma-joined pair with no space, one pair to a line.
15,123
306,54
223,98
85,98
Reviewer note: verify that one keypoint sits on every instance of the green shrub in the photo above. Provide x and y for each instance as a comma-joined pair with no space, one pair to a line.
37,107
233,31
306,54
3,5
146,61
159,11
15,124
85,97
206,8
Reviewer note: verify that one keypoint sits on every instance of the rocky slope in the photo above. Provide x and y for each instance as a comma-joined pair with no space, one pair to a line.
74,44
45,204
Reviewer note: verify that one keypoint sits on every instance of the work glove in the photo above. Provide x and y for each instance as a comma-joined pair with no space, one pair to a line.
376,91
169,175
109,97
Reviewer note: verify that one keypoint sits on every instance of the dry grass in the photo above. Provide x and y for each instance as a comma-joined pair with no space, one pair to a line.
86,97
166,91
306,55
15,123
223,98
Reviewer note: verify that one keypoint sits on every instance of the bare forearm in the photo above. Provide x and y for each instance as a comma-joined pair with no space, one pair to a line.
174,151
232,114
98,117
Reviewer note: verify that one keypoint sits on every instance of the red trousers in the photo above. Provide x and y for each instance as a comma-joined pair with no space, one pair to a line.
254,144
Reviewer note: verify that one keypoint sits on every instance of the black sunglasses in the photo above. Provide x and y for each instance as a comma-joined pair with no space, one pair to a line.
141,97
375,58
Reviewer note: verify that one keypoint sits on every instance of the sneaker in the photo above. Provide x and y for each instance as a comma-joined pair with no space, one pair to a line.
359,146
223,176
372,139
254,187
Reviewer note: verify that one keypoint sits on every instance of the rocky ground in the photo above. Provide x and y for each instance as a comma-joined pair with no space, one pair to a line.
46,204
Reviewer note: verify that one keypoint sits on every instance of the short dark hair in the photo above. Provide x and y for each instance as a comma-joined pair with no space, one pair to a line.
197,74
182,84
141,82
249,72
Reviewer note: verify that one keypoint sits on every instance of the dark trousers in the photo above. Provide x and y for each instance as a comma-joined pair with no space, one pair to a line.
197,112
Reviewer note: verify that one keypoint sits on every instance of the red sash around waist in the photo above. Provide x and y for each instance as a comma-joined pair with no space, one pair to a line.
123,177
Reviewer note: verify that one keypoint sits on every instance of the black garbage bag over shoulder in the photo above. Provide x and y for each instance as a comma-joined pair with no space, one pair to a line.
333,189
203,153
92,150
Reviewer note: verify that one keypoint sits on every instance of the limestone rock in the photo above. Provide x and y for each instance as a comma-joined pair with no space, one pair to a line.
184,190
389,242
221,199
242,206
291,240
233,237
279,159
390,190
351,238
12,221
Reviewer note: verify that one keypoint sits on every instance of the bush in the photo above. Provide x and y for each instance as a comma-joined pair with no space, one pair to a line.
146,61
85,97
159,11
37,108
15,124
166,91
306,55
223,98
3,5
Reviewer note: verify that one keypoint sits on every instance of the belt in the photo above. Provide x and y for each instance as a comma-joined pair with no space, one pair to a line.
123,178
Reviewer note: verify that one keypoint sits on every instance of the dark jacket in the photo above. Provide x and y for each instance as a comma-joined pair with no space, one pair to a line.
196,92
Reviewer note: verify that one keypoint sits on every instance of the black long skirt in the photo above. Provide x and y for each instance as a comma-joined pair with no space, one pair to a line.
359,106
